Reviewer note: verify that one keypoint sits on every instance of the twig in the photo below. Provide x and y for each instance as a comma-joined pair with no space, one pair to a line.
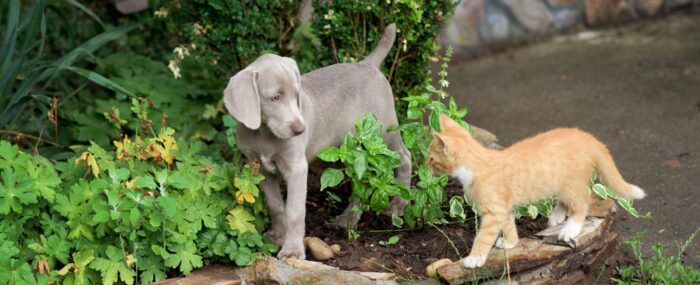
23,135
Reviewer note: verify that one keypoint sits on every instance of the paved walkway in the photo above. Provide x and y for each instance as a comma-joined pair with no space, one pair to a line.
636,87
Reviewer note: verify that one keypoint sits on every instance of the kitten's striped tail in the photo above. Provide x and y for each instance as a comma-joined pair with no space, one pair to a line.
606,169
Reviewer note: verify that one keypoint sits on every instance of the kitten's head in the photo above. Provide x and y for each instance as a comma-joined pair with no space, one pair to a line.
443,156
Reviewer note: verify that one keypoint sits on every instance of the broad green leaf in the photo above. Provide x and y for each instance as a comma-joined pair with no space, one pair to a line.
331,154
331,177
186,257
240,219
113,267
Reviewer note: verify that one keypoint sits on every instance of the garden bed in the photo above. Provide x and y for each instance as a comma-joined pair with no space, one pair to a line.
415,249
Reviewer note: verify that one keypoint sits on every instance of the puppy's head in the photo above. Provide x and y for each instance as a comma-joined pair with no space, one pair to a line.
267,92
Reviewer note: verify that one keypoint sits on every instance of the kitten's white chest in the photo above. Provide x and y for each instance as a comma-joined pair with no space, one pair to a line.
465,176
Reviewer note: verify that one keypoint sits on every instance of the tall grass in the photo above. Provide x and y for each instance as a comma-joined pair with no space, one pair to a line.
27,70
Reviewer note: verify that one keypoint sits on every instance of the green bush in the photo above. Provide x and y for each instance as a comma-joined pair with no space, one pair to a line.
231,34
153,205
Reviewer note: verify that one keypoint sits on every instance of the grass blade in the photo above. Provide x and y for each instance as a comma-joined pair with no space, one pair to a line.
87,11
100,80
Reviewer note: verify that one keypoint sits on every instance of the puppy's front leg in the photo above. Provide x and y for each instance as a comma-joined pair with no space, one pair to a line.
295,175
275,206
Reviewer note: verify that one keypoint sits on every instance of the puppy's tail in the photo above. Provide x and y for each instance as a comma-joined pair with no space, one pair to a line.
379,53
605,167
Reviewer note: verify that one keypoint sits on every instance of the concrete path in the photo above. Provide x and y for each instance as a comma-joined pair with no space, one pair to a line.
636,87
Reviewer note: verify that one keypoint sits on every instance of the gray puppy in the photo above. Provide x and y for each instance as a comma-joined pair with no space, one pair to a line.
287,119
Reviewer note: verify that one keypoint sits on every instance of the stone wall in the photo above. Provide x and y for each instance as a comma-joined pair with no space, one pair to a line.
480,24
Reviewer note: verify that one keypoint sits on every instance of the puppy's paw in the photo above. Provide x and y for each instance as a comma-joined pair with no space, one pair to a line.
296,251
502,243
348,219
473,261
570,230
396,207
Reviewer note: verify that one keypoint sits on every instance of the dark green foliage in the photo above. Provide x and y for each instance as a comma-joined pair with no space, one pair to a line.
349,30
231,34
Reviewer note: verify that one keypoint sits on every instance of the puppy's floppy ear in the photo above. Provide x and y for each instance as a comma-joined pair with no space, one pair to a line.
242,100
292,65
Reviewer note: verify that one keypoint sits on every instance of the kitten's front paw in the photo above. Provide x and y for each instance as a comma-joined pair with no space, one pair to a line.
502,243
473,261
570,230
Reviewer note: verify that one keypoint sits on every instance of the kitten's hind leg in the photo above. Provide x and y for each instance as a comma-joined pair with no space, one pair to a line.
558,215
574,224
510,234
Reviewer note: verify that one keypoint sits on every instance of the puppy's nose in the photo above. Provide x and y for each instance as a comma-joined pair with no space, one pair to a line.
298,128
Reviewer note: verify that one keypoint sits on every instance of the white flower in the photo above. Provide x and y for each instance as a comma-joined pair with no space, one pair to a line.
445,83
174,68
161,13
181,51
327,27
199,30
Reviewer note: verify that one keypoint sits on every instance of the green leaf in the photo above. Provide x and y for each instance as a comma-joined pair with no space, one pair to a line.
239,253
100,80
113,266
532,211
331,177
396,220
240,219
391,241
434,121
360,165
186,257
456,208
169,205
145,182
331,154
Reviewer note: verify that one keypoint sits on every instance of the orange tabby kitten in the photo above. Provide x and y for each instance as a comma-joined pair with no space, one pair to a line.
555,163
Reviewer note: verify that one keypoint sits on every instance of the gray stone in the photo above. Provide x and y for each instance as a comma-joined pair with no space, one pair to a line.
130,6
532,14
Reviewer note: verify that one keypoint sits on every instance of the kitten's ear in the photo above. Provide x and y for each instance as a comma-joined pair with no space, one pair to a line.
447,122
440,142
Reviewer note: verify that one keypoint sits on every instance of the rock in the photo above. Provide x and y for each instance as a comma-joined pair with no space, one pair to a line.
130,6
529,253
335,248
213,274
307,265
267,271
485,137
564,2
532,14
379,275
431,270
329,277
463,29
650,7
606,11
319,249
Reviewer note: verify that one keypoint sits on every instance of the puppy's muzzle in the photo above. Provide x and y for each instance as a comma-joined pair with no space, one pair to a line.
298,128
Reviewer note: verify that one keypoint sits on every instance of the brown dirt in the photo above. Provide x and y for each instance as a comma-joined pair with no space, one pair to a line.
416,249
